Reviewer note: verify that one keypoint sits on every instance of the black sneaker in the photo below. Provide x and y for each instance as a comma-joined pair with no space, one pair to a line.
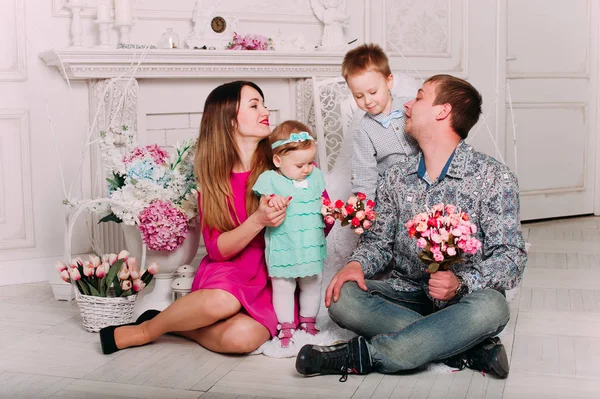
350,357
488,356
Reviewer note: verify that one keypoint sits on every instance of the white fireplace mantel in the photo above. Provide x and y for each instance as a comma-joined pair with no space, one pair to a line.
83,64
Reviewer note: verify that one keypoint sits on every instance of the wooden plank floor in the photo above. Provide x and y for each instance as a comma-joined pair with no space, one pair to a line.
553,340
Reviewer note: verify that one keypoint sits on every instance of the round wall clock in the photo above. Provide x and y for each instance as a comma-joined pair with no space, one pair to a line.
218,24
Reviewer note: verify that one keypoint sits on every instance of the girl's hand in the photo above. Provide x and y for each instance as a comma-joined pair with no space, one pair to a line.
268,216
278,202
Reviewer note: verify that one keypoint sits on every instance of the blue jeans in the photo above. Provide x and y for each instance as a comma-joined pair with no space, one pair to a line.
404,330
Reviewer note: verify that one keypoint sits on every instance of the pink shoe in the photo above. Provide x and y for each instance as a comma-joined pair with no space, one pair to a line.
308,324
286,331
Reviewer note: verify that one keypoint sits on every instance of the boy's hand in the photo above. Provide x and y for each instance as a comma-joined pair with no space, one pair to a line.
278,202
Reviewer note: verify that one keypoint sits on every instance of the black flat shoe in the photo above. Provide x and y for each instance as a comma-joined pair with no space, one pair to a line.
147,315
107,338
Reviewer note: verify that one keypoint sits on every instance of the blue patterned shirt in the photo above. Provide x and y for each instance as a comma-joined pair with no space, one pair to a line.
376,148
477,184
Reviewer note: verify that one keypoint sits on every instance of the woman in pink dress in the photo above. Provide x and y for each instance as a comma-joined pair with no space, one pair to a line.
229,309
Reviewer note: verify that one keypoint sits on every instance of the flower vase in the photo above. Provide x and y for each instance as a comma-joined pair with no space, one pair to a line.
157,295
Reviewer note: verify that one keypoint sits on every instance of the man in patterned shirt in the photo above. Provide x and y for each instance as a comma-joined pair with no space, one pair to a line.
412,318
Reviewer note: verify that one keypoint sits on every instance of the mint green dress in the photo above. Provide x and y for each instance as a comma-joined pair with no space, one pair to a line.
297,247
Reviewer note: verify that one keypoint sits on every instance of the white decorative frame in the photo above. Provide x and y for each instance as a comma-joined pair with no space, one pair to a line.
29,240
19,73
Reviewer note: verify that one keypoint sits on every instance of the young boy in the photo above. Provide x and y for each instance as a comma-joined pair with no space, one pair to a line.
380,141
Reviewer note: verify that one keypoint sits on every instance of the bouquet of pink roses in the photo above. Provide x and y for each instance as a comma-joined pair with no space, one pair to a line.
356,212
444,234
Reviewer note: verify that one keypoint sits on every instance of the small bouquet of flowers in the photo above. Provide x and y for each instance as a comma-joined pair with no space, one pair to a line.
355,212
97,275
444,235
249,42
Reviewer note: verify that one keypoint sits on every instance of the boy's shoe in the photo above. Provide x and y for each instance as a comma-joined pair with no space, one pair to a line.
350,357
488,356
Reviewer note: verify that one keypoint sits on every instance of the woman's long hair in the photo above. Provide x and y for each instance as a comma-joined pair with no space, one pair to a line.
217,153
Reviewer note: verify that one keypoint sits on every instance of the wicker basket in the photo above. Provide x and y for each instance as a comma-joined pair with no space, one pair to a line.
99,312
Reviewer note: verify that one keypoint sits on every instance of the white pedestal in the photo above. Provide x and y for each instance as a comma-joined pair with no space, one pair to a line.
157,295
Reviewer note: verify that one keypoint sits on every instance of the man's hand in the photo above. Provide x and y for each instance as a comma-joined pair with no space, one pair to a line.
443,285
351,272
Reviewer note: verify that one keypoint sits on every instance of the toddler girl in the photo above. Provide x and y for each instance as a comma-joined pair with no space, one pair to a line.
296,249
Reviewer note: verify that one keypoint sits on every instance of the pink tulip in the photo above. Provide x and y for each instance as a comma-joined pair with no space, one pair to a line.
123,272
451,251
75,262
60,266
123,255
367,224
88,269
360,215
352,200
126,285
153,268
112,258
100,271
329,219
95,261
74,274
106,267
138,285
131,263
359,230
65,275
438,257
421,242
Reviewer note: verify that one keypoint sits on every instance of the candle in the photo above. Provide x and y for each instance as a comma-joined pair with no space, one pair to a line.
123,12
103,12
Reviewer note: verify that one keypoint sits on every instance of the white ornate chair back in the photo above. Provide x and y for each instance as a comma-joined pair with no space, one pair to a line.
333,112
336,118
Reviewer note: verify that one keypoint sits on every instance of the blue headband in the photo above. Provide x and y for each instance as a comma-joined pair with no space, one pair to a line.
294,138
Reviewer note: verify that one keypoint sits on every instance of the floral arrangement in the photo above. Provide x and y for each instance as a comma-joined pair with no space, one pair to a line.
159,189
99,274
444,235
356,213
249,42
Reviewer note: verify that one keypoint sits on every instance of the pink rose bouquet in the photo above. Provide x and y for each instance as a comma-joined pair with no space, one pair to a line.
356,213
444,234
100,273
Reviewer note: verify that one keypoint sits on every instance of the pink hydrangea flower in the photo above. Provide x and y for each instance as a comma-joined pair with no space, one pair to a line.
163,226
158,155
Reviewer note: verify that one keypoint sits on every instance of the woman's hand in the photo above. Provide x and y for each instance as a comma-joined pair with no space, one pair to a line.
268,216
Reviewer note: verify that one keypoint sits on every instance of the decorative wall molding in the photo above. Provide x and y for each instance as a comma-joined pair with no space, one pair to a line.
29,271
27,241
583,107
19,72
433,34
578,73
105,64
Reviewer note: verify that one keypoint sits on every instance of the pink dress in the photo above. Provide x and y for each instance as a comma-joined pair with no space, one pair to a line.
245,274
